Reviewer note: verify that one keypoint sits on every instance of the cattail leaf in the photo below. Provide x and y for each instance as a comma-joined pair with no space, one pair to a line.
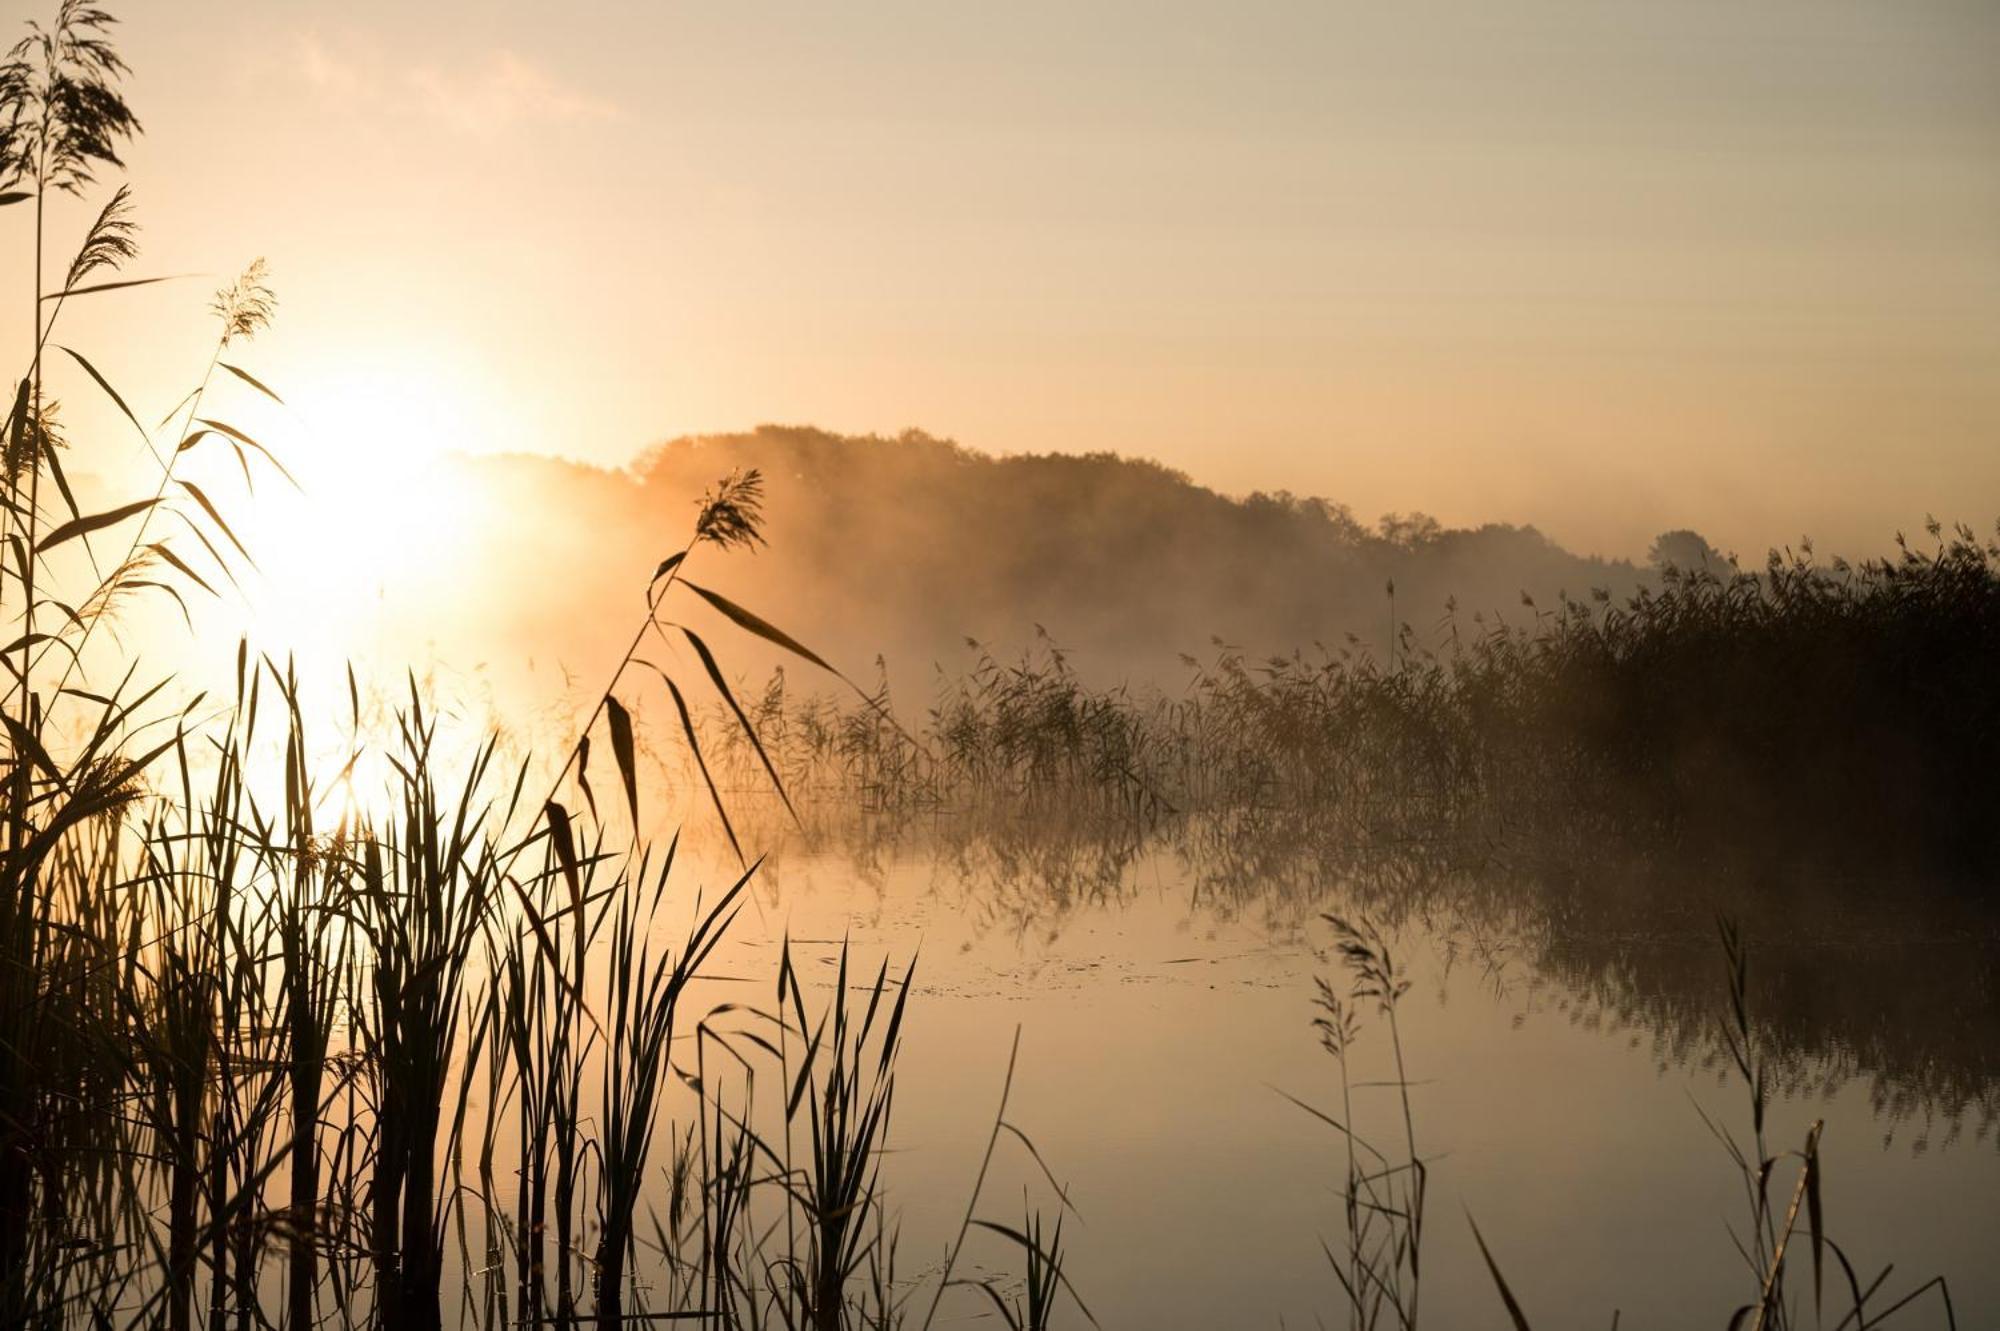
763,628
1045,1257
1514,1313
708,934
583,774
423,974
207,545
27,640
252,380
565,847
1815,1215
1062,1193
223,427
14,196
87,696
141,583
547,944
566,911
621,748
803,1081
749,731
94,288
175,410
1009,1232
109,391
215,516
1007,1313
892,1035
701,764
95,522
668,565
17,421
28,742
62,483
243,461
160,548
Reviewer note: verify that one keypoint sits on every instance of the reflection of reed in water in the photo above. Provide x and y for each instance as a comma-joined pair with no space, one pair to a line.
1897,989
1380,1268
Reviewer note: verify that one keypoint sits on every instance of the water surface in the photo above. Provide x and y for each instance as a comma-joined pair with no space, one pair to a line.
1564,1058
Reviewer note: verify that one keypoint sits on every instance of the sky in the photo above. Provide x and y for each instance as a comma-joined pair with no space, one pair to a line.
1607,268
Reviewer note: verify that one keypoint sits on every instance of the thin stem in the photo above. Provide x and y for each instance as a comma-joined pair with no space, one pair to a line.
978,1184
37,441
1353,1188
1416,1207
654,596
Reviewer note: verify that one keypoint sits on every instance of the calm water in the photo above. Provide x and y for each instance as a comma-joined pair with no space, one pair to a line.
1163,993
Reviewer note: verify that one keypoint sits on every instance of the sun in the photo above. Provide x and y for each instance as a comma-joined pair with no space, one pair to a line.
380,518
372,411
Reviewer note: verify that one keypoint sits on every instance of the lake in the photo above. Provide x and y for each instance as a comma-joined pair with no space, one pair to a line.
1561,1059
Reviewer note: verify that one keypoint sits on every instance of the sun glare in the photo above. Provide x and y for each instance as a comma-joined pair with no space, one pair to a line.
377,519
1298,706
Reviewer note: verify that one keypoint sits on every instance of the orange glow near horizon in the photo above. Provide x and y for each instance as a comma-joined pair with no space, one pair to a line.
1607,273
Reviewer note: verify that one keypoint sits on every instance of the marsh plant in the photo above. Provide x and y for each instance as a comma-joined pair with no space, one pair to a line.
1691,718
274,1055
1796,1274
1379,1266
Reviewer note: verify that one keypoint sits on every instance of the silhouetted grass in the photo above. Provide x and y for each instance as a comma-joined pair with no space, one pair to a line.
1805,714
256,1069
1380,1271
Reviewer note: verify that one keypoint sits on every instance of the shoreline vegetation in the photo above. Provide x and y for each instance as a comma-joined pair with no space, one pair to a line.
1803,717
267,1059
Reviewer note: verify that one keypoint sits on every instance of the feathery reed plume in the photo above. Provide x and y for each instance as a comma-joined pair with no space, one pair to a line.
732,513
59,102
244,307
111,242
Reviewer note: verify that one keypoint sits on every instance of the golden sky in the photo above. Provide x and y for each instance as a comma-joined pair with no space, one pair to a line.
1608,268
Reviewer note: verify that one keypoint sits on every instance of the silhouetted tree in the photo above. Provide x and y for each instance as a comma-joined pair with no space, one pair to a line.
1688,550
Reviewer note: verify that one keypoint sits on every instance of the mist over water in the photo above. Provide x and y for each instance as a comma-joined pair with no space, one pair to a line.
905,548
459,874
1115,823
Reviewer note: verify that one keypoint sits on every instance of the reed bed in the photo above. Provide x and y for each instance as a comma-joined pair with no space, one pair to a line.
1805,714
270,1060
272,1055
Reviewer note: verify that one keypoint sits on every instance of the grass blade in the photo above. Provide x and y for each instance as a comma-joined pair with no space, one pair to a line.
1514,1313
215,515
694,747
251,380
749,731
621,748
109,391
756,624
95,522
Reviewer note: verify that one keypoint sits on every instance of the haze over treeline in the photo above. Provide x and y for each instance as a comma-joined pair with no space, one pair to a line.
908,547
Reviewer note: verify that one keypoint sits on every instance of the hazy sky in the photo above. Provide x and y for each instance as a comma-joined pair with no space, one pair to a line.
1608,268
